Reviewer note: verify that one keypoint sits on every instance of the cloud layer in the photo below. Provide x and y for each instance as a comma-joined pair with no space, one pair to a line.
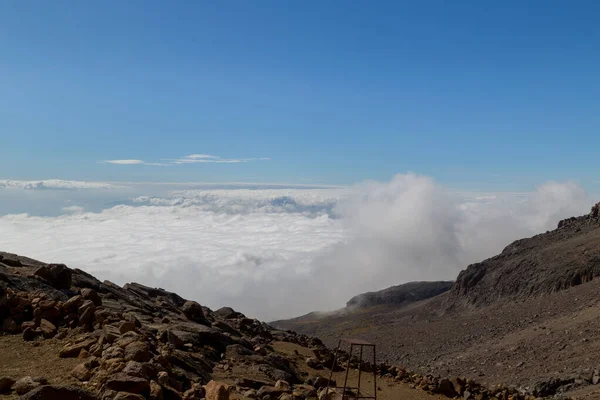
281,252
55,184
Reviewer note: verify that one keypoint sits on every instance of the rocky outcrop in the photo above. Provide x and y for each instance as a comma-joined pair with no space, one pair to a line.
136,342
401,294
549,262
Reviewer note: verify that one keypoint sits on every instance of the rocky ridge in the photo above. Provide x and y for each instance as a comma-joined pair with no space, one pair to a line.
401,295
545,263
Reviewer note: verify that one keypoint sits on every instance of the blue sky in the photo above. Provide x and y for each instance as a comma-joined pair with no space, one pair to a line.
480,95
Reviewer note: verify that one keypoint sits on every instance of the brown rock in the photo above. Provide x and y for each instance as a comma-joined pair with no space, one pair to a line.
127,326
74,349
86,312
142,370
72,304
163,377
155,391
91,294
196,392
27,384
217,391
138,351
48,329
82,372
121,382
110,333
194,312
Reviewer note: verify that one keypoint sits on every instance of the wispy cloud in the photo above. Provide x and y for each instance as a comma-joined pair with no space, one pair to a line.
190,159
124,162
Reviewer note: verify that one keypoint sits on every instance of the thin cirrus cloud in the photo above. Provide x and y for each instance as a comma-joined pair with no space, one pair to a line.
190,159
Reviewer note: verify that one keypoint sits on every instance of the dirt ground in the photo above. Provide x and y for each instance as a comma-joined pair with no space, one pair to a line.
38,358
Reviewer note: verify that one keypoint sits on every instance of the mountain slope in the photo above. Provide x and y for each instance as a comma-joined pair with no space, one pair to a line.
530,314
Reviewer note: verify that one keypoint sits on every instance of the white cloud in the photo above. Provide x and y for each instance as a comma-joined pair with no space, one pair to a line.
56,184
281,252
201,156
124,162
190,159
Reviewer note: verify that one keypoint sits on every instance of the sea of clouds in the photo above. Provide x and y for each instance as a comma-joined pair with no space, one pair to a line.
273,251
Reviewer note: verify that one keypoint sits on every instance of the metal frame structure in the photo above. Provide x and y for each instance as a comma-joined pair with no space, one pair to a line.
360,344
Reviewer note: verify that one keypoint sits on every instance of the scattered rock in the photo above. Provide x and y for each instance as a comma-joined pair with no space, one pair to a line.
217,391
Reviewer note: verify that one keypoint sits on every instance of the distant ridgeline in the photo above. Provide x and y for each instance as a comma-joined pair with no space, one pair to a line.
401,294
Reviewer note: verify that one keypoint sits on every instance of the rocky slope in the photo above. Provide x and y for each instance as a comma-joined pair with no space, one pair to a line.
400,295
528,316
549,262
64,335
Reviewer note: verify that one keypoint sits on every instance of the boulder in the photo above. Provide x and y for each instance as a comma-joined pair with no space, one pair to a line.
446,388
194,312
57,275
127,326
138,351
121,382
92,295
27,384
141,370
82,372
110,333
73,304
51,392
227,313
217,391
48,329
155,391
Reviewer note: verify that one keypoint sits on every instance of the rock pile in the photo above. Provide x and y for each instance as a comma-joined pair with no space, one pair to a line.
137,342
